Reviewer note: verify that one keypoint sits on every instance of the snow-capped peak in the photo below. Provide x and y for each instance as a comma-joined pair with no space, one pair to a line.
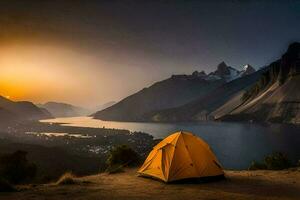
246,67
223,72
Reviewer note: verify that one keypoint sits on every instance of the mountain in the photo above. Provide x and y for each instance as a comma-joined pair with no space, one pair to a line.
248,69
276,95
64,110
225,72
6,116
20,110
173,92
202,108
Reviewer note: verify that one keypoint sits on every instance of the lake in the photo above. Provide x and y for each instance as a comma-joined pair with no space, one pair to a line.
235,144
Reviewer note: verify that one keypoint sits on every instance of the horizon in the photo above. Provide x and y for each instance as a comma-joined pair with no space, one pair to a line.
90,53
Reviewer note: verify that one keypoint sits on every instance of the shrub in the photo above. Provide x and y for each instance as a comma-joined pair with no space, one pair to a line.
274,161
122,155
15,167
5,186
257,165
67,179
277,161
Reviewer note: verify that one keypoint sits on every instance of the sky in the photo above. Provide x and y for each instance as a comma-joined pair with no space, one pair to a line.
90,52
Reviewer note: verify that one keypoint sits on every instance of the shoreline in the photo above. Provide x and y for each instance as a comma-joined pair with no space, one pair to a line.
82,155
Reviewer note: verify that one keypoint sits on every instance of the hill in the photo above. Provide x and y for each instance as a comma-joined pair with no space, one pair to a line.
58,109
21,110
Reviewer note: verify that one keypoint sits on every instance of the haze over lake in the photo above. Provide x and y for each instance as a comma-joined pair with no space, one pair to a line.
235,144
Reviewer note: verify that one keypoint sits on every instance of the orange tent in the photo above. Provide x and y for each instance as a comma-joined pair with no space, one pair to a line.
181,155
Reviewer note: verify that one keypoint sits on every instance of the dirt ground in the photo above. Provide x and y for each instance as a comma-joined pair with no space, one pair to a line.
127,185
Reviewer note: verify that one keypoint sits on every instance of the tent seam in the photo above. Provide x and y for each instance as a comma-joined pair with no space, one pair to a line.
185,146
173,154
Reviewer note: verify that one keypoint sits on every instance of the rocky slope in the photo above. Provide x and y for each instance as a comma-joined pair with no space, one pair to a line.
276,95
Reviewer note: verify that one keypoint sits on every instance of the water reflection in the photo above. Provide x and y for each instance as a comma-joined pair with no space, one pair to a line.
59,135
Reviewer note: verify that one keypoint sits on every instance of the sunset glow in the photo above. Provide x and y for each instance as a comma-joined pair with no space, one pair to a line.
40,73
25,73
100,52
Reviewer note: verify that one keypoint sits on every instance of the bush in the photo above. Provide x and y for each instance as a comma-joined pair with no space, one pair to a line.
274,161
67,179
15,167
257,165
277,161
122,155
5,186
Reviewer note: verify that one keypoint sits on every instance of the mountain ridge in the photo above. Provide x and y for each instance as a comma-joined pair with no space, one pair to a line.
201,109
164,94
59,109
21,110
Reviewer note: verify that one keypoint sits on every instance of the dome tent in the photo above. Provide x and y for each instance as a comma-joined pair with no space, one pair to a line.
181,155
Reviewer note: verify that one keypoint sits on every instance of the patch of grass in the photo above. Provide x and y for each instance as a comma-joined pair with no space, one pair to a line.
67,179
274,161
5,186
115,169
